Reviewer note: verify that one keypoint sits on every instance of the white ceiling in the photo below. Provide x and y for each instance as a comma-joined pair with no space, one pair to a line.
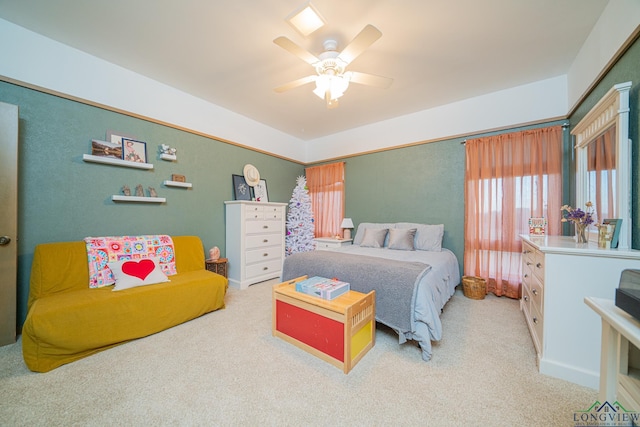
437,51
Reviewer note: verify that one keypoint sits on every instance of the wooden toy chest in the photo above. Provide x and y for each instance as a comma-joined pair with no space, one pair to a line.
340,331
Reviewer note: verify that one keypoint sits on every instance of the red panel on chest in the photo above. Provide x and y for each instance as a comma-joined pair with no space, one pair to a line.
321,333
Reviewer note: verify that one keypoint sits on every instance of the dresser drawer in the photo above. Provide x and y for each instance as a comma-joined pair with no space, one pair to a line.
253,227
255,270
258,255
273,212
528,257
525,304
538,265
536,291
263,240
254,212
536,322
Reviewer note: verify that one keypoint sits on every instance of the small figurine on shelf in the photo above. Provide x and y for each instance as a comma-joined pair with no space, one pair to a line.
214,253
126,190
152,192
139,190
165,149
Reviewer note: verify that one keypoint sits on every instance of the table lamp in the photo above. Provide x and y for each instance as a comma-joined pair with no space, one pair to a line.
347,224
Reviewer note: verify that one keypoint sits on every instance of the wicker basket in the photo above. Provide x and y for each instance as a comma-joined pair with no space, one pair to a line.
474,287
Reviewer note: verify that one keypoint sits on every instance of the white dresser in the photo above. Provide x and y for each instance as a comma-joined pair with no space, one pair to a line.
255,241
557,275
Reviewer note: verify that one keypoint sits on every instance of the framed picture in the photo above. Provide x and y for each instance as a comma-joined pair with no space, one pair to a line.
537,226
616,230
241,190
116,137
178,178
134,151
260,191
106,149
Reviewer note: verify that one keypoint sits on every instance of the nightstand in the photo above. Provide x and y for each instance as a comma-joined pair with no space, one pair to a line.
324,243
217,266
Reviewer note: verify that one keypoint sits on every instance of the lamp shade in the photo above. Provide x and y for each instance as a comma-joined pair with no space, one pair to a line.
346,223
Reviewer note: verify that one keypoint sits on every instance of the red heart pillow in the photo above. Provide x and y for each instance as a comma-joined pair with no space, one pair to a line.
140,269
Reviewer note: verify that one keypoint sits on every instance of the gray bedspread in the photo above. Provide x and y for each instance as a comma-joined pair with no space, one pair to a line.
395,282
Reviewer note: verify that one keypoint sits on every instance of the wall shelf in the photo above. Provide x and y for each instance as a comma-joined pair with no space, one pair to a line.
177,184
115,162
169,157
138,199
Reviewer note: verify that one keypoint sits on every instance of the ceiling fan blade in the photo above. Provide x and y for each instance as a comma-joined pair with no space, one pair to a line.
369,79
363,40
287,44
295,83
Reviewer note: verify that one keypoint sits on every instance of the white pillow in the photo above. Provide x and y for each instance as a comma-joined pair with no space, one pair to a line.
402,239
131,273
374,238
428,237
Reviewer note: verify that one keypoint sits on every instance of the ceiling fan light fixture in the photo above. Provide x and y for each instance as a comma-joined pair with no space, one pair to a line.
306,19
334,85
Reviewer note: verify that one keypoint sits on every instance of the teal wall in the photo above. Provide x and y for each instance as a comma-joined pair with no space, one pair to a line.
422,183
62,198
626,69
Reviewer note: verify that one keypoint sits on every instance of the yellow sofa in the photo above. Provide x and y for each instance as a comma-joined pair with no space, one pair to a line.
67,320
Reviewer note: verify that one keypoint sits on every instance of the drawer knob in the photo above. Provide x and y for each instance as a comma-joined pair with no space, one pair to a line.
534,291
265,241
265,268
265,226
265,254
529,263
526,298
535,320
526,251
539,265
526,275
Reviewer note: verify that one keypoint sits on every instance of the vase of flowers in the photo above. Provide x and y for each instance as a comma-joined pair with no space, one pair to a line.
582,219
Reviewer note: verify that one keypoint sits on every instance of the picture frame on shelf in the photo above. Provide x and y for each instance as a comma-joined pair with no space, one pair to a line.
134,151
615,222
106,149
178,178
260,191
241,190
116,137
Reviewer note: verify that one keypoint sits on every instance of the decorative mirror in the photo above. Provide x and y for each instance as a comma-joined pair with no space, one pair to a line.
603,160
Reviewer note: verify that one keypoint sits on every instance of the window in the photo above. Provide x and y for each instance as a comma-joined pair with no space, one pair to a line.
326,189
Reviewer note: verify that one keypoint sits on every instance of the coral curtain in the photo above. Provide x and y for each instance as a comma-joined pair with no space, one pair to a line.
508,179
326,189
601,167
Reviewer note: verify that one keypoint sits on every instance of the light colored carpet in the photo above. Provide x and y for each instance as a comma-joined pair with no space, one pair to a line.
226,369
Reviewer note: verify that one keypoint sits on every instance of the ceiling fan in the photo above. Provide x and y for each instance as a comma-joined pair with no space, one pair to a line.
331,77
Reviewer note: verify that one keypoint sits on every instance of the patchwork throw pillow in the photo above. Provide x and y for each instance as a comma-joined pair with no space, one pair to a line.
132,273
103,250
402,238
374,238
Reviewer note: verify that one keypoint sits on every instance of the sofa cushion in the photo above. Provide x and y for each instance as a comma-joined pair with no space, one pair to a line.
132,273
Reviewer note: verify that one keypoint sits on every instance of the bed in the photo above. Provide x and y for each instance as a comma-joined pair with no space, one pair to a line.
405,263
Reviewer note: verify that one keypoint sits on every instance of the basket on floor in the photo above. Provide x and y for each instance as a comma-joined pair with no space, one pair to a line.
474,287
